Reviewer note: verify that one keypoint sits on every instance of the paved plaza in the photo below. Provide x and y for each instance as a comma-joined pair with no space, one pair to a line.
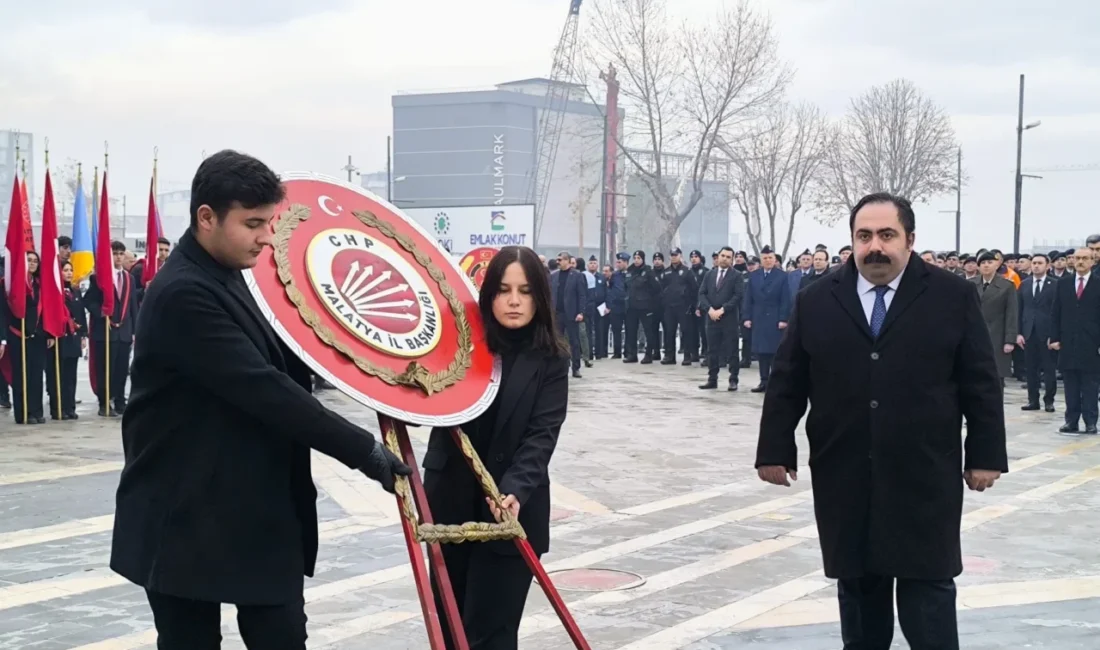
652,477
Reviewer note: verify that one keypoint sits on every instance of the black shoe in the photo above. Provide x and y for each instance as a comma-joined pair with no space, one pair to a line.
587,363
1090,430
668,361
646,360
732,387
5,405
616,356
576,374
710,385
39,420
685,362
1049,408
1069,429
104,413
1029,407
79,401
746,364
70,416
760,388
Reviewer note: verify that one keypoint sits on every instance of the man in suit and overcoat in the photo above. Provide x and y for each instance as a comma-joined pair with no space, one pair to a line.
1075,335
889,381
1036,298
720,304
765,306
569,291
1000,310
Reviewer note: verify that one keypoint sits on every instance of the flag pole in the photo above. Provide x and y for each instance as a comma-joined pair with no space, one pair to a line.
106,320
23,321
57,340
150,246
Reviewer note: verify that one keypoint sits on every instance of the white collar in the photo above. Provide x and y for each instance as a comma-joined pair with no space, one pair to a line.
1085,276
863,285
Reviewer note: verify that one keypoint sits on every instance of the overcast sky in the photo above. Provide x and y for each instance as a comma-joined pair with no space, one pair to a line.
303,84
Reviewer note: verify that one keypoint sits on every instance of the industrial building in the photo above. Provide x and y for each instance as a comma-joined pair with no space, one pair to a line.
477,148
10,164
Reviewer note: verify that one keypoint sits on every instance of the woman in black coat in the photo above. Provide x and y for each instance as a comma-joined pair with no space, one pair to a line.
515,439
35,350
71,348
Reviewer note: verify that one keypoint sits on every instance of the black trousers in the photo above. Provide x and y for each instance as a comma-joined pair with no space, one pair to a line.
653,343
676,316
926,612
1040,361
597,345
68,383
120,371
765,361
746,344
634,318
571,329
184,624
723,335
4,392
1082,391
490,590
1019,363
36,352
698,342
612,324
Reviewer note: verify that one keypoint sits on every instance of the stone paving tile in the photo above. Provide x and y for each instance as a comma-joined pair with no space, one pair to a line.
635,435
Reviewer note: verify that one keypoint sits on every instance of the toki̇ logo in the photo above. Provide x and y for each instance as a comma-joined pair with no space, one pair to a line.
442,223
496,220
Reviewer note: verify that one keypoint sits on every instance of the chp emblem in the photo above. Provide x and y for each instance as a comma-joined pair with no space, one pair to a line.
373,292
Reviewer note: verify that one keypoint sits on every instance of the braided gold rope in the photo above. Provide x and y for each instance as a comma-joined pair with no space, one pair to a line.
415,375
474,531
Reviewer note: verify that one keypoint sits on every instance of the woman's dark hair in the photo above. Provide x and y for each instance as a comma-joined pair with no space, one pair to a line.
545,335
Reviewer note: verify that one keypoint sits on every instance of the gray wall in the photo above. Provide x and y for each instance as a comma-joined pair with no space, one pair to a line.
478,148
706,227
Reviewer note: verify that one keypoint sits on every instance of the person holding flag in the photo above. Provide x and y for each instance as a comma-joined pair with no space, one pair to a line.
56,322
109,300
70,348
22,348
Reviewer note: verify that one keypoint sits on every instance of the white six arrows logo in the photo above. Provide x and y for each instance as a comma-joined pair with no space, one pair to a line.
374,292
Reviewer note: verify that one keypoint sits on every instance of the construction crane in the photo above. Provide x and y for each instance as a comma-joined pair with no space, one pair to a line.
562,74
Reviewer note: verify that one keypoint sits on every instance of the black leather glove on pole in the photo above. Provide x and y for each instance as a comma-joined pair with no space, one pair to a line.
382,465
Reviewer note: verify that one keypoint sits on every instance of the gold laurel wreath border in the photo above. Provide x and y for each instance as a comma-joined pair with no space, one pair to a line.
415,375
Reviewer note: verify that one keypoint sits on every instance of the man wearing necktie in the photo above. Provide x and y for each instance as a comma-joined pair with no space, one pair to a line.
120,332
889,382
1075,333
1036,299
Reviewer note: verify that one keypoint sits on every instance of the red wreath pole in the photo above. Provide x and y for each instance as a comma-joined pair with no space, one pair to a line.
397,430
540,574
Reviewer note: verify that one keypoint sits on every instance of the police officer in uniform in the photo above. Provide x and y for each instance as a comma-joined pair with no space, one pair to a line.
616,302
679,294
597,295
643,294
653,345
697,345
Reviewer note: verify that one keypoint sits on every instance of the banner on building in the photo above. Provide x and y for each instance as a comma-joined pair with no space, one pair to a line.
462,229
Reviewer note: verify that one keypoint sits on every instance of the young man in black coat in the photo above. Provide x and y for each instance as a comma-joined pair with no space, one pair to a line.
216,503
113,359
890,381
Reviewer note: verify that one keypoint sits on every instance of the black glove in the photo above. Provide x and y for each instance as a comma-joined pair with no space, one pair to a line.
382,465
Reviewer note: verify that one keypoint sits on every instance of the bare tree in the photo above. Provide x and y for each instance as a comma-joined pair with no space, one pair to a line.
682,85
893,139
776,164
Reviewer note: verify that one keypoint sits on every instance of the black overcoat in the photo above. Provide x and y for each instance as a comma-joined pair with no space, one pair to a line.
886,454
216,501
1075,323
532,409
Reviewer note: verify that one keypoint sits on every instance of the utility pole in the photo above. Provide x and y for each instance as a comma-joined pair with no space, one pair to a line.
350,168
958,202
1019,177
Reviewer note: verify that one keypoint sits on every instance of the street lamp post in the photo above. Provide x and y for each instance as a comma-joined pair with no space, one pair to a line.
1020,128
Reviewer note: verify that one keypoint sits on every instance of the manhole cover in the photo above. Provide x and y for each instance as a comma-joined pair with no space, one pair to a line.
595,580
974,564
557,514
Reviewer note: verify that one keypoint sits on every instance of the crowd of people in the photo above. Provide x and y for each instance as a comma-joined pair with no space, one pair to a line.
31,358
734,312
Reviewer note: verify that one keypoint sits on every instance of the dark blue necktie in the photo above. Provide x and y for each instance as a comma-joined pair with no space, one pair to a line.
878,312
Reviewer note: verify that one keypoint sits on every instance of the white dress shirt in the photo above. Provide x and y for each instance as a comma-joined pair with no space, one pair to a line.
866,292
